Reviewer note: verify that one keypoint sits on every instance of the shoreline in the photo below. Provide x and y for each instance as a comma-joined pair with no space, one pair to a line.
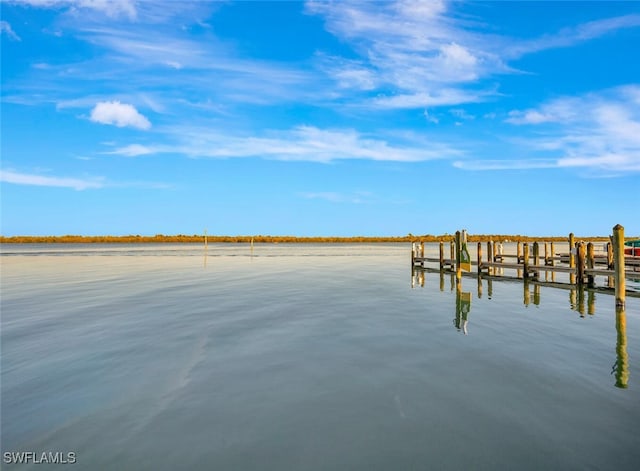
199,239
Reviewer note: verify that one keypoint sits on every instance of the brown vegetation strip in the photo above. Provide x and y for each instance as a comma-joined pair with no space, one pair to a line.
181,238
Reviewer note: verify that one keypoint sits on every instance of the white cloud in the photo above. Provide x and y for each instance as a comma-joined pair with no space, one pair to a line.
571,36
357,197
79,184
119,114
459,59
431,118
418,100
414,52
559,110
598,131
110,8
461,114
5,28
133,150
420,54
516,164
302,143
9,176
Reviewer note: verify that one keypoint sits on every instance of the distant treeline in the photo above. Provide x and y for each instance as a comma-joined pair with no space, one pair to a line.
199,238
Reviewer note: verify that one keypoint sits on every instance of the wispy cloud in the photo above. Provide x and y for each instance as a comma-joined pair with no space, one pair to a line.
79,184
517,164
133,150
420,54
5,28
17,178
597,131
110,8
302,143
411,53
356,197
119,114
571,36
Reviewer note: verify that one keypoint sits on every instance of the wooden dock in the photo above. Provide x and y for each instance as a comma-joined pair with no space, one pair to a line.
582,262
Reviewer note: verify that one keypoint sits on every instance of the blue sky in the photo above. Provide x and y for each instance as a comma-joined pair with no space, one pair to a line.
319,118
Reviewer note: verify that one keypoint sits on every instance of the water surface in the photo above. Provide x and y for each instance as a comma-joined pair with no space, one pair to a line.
307,357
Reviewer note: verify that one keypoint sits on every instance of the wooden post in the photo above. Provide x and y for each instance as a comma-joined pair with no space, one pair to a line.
618,264
591,264
546,254
536,254
490,258
413,254
479,258
553,254
453,253
441,255
609,255
572,258
206,247
580,249
422,249
572,244
525,260
518,251
458,250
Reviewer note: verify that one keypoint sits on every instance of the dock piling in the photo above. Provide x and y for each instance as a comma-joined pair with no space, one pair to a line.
580,252
525,260
618,262
591,264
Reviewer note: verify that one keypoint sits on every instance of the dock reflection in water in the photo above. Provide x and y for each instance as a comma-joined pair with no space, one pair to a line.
579,298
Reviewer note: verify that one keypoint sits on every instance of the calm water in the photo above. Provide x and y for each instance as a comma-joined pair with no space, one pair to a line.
152,357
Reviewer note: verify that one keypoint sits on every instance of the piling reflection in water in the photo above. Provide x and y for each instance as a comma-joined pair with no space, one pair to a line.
581,300
463,308
621,366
